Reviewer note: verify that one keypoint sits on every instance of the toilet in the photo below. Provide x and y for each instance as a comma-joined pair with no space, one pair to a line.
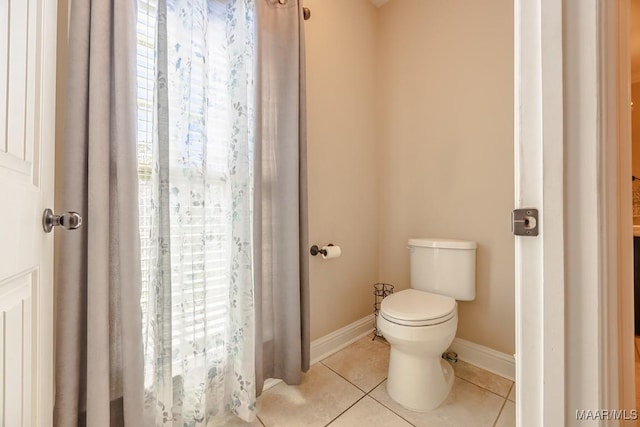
420,323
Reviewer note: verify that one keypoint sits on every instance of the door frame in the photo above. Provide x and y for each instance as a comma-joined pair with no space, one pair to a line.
539,174
574,295
617,322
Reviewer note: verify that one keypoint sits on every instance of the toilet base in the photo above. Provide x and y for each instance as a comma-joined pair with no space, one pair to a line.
417,383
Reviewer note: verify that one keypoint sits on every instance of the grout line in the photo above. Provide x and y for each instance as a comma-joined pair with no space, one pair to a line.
366,393
391,409
500,412
261,422
340,414
338,374
377,385
510,390
380,403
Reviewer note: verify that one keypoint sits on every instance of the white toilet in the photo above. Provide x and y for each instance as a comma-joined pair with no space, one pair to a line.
420,323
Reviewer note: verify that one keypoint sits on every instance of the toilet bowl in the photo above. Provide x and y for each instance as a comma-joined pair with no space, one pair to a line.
420,323
419,379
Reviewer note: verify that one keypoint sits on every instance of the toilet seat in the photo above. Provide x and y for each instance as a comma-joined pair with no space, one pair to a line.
417,308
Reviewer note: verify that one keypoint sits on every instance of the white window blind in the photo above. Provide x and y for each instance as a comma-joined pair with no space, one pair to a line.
145,79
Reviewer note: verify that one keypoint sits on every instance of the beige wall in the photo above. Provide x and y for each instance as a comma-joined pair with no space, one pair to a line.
343,196
445,88
410,111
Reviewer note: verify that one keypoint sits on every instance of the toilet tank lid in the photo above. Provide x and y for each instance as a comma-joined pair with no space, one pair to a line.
443,243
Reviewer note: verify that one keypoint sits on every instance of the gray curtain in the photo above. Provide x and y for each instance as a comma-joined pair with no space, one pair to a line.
280,204
99,375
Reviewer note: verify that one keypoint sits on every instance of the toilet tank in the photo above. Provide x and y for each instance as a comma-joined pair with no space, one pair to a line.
444,266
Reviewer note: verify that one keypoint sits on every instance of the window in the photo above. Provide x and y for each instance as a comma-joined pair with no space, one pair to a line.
200,238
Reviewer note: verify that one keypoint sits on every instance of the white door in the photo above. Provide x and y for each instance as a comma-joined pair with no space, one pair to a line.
27,130
574,329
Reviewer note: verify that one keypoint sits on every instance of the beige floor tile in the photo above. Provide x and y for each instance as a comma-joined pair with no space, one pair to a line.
485,379
232,421
467,405
512,393
368,412
364,363
507,417
321,397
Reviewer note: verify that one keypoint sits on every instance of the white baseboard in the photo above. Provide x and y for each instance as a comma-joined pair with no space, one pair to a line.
270,382
325,346
486,358
335,341
483,357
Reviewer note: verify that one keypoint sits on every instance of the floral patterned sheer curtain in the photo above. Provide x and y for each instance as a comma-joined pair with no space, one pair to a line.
195,132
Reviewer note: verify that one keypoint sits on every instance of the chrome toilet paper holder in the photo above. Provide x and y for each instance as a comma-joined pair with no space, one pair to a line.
315,250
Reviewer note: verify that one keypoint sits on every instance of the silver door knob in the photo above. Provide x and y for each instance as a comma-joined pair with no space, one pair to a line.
68,221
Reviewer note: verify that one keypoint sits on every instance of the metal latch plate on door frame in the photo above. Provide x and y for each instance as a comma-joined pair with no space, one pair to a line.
524,222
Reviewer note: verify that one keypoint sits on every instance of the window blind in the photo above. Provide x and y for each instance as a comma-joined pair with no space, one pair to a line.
145,79
200,245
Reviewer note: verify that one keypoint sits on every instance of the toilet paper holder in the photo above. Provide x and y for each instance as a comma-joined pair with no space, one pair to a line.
315,250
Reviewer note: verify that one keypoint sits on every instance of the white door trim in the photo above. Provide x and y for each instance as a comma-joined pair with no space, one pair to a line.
539,177
574,295
47,100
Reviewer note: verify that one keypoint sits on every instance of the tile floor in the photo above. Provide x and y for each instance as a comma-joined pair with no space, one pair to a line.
348,389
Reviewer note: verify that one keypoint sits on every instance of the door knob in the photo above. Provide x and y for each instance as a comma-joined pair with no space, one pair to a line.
68,220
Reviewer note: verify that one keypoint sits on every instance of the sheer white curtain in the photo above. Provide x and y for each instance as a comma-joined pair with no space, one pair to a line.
195,138
222,171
